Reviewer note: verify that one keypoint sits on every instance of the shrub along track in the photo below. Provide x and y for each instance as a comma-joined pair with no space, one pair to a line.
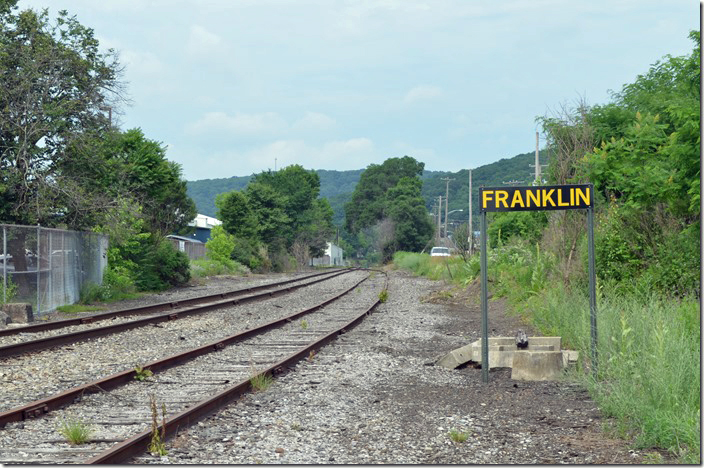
190,386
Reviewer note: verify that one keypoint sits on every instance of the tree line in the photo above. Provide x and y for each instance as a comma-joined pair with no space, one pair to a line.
64,164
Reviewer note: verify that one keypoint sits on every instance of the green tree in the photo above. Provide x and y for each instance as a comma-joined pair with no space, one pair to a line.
369,197
126,165
413,227
55,83
269,206
236,214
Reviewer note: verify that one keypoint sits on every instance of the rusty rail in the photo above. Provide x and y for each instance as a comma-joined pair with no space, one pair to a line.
38,408
138,444
158,307
68,338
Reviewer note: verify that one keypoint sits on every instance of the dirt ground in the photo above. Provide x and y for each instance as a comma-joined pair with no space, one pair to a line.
564,422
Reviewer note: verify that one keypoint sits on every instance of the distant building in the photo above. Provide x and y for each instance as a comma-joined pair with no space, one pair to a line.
192,247
333,257
203,225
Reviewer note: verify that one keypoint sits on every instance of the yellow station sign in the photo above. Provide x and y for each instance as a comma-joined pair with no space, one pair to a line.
547,197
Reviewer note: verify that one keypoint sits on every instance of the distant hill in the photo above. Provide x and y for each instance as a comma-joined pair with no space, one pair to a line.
337,186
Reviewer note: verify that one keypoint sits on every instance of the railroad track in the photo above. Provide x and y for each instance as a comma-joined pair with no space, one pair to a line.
18,340
59,368
190,385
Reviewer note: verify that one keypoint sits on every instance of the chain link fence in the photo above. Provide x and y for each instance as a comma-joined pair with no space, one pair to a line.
48,267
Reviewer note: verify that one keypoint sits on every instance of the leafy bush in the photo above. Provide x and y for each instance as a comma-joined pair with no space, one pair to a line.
203,267
618,256
171,265
220,246
251,254
528,225
676,269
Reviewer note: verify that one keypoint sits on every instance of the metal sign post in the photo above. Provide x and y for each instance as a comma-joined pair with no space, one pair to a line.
485,303
536,198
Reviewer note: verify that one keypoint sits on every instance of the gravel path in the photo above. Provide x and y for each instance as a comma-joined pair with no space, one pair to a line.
374,396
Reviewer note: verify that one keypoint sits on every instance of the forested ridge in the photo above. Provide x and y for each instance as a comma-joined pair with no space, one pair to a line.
337,186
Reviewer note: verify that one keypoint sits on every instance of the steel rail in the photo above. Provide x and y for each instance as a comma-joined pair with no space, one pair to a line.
25,347
138,444
158,307
40,407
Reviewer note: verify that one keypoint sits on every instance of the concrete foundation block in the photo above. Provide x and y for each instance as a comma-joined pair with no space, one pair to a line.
502,348
569,356
19,312
4,320
537,365
456,357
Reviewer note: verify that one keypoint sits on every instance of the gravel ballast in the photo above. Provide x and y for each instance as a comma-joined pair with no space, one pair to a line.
374,396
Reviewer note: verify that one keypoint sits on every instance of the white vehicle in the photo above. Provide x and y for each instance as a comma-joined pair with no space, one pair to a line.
440,252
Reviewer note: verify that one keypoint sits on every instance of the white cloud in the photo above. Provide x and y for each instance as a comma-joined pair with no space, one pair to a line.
202,42
426,155
422,93
350,154
314,121
268,123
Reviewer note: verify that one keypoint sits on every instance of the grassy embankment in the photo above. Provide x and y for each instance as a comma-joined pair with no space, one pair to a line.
648,345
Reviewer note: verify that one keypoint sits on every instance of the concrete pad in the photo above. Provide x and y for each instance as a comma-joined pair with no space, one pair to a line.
537,365
19,312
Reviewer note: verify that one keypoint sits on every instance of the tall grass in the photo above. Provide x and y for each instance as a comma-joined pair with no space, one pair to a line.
648,346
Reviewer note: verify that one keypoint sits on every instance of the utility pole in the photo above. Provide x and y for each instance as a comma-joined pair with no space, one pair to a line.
471,232
447,192
439,233
537,165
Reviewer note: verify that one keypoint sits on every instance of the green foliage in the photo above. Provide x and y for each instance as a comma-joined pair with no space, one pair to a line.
117,285
676,268
172,266
10,291
387,207
220,246
204,267
651,371
251,253
76,308
152,263
412,225
276,210
368,203
205,192
527,225
617,256
261,382
236,214
54,83
384,296
458,436
157,444
75,431
141,374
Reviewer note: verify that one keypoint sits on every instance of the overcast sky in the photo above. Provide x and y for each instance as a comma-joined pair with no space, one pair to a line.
235,87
